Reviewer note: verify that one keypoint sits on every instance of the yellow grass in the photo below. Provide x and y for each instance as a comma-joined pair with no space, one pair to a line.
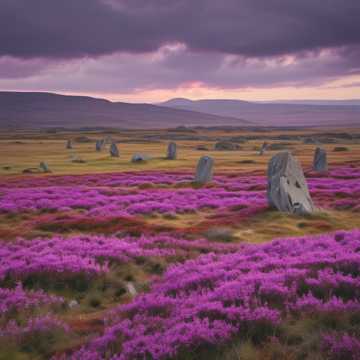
24,150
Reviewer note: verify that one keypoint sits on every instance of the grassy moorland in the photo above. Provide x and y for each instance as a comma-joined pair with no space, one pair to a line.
103,257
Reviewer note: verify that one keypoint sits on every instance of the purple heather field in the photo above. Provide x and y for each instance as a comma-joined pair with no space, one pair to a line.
179,180
199,292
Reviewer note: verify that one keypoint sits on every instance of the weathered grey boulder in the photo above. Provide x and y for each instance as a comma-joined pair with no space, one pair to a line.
171,151
320,160
139,158
263,148
226,145
204,170
99,145
114,151
69,144
287,188
44,167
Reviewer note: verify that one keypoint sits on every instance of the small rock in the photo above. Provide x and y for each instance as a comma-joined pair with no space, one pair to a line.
73,303
226,145
139,158
83,139
309,140
131,288
44,167
31,171
204,170
340,148
202,148
279,146
78,161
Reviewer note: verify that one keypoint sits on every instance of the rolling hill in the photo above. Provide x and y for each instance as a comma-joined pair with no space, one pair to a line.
38,110
326,113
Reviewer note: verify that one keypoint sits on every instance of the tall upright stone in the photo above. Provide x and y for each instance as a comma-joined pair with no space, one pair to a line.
320,160
287,188
171,151
263,148
69,144
204,170
99,145
114,151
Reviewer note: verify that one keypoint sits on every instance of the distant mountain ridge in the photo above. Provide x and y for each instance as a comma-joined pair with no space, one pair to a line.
354,102
37,110
325,113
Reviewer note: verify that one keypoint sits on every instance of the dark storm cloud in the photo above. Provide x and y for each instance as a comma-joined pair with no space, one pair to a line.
254,28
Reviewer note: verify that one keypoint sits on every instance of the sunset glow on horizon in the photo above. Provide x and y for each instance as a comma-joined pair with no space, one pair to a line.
140,51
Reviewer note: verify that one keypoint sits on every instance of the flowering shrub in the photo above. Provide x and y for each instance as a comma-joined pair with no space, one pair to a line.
89,255
231,290
18,299
208,300
98,202
123,194
34,327
341,346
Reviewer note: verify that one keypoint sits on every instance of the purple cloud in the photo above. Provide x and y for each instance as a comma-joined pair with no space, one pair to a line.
174,66
70,29
123,46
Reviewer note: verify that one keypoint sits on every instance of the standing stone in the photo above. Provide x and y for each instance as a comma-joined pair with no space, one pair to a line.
171,151
69,144
204,170
320,160
263,148
44,167
99,145
114,151
287,188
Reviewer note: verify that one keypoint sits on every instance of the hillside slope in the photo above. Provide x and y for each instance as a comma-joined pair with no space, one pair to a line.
275,114
36,110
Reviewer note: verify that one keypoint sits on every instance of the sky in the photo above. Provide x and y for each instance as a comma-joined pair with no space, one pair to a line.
154,50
